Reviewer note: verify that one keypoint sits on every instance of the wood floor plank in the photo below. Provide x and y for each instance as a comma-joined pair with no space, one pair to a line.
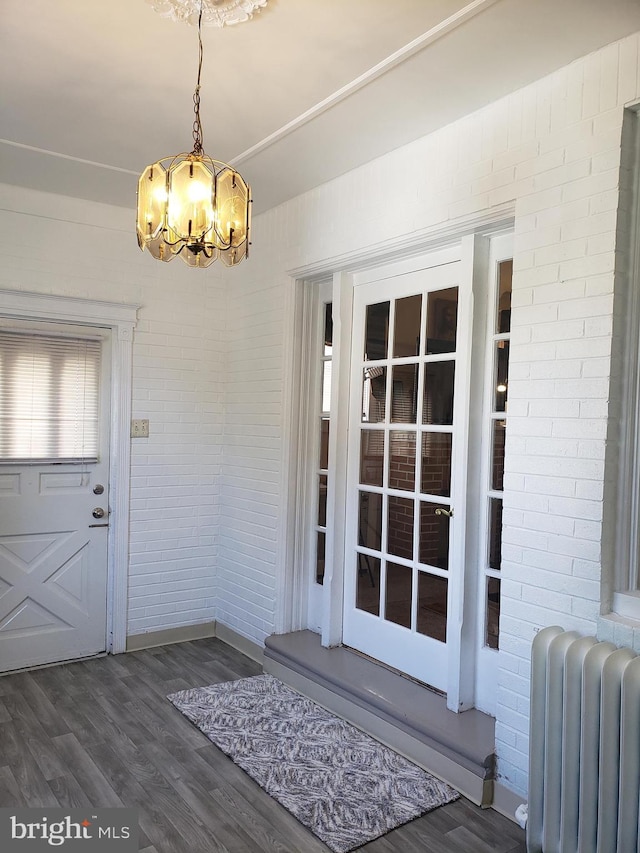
30,732
158,715
69,793
166,820
59,682
6,684
273,827
461,839
182,763
10,794
501,838
32,784
80,725
102,733
124,717
41,706
84,770
215,817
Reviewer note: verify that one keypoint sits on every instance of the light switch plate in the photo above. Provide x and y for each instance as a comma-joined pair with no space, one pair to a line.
140,428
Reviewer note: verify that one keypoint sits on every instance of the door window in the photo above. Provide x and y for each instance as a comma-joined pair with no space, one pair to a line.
407,457
49,397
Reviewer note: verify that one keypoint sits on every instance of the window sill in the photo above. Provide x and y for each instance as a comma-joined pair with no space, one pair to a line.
622,626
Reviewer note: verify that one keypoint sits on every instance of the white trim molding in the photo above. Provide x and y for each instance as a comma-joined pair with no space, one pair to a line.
121,319
438,245
440,30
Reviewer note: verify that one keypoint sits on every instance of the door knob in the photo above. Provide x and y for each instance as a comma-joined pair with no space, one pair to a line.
98,512
442,511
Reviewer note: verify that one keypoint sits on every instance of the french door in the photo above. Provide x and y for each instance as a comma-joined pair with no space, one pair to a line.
406,474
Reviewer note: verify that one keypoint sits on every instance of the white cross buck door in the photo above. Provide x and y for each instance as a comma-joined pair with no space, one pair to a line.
54,493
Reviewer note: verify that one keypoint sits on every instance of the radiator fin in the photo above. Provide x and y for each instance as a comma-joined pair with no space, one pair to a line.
584,746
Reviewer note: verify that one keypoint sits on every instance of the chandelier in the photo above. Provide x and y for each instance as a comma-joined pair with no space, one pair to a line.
193,206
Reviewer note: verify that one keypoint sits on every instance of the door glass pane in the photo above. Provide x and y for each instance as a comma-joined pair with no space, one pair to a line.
497,461
434,536
492,628
397,604
402,460
320,558
400,527
328,328
502,374
495,533
432,606
374,394
377,331
326,386
437,405
404,398
368,588
370,520
324,443
442,319
406,338
322,501
505,275
371,457
435,476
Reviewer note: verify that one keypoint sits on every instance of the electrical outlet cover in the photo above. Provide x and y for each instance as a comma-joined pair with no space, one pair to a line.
140,428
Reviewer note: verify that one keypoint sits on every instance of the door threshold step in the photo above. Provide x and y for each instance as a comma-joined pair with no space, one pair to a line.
400,712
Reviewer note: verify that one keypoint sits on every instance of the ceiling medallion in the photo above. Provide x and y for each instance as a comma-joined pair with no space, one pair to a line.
215,13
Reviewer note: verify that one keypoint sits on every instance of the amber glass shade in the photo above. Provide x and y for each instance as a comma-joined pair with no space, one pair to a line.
191,196
195,207
152,197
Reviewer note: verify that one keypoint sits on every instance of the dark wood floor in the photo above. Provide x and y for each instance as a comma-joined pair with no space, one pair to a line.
101,733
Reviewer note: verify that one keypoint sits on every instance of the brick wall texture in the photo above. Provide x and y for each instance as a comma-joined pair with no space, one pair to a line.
211,367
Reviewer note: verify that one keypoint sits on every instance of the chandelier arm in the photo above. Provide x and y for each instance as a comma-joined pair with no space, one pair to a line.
179,241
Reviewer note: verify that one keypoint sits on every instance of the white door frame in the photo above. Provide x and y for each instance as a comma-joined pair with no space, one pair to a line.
406,255
121,319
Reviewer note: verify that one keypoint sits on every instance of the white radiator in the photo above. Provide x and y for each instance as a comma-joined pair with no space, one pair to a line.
584,746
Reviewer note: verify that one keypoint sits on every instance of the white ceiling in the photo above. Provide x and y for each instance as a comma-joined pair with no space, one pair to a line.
94,90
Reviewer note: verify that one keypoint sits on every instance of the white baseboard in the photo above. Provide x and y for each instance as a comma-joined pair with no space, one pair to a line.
183,634
201,631
506,802
240,642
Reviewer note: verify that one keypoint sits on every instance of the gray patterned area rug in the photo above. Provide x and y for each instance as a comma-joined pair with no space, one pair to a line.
344,786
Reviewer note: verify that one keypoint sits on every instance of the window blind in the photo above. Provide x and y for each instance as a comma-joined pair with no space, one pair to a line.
49,397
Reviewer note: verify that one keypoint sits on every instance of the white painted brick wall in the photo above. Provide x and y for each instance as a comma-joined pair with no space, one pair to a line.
553,150
209,359
89,250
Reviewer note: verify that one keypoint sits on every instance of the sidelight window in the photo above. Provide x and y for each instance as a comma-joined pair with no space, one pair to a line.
498,393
